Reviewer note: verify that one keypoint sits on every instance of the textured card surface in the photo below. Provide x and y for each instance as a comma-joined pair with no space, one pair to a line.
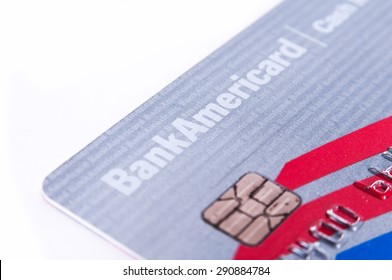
274,146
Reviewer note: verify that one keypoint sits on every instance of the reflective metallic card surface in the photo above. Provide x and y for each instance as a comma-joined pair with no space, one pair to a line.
301,97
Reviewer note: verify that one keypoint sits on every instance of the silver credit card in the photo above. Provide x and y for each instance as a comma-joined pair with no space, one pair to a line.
260,151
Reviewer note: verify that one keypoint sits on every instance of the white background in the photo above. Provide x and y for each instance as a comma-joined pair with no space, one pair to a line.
71,69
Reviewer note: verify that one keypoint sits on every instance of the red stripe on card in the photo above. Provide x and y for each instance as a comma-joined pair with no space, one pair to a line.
342,152
335,155
297,225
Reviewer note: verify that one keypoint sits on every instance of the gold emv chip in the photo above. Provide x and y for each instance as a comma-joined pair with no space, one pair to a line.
251,209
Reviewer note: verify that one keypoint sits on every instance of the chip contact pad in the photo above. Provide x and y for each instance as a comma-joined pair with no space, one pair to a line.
251,209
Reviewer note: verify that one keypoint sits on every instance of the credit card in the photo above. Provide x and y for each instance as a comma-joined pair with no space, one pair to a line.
275,146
